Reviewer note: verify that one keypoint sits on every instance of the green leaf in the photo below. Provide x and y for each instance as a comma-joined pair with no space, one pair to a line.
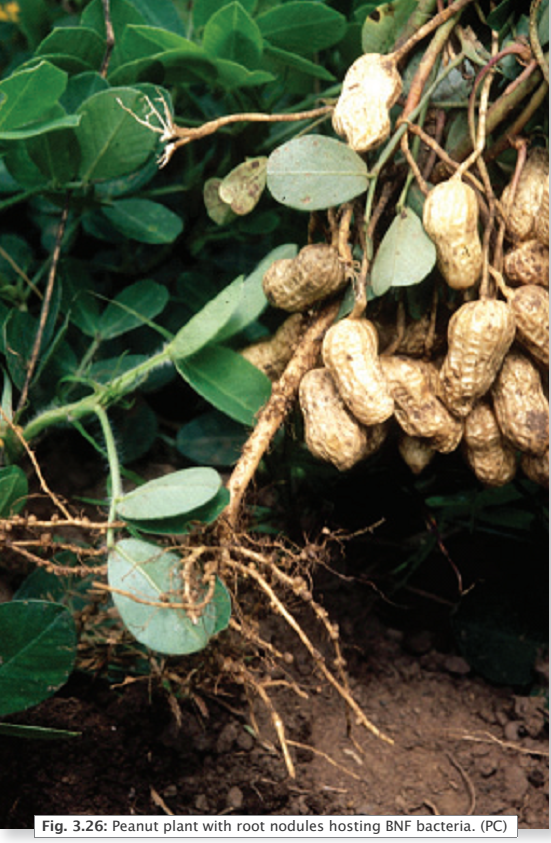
145,41
34,20
80,88
498,634
70,64
43,585
22,168
232,34
253,301
205,9
16,256
177,493
103,371
499,16
56,154
78,41
78,299
21,330
382,29
173,67
406,254
296,62
242,188
234,75
37,652
227,381
13,490
144,220
219,211
212,439
34,130
206,325
302,27
133,307
179,525
161,13
112,142
29,93
135,431
154,575
148,50
312,173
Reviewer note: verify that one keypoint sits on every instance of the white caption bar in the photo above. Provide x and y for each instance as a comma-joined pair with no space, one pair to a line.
275,827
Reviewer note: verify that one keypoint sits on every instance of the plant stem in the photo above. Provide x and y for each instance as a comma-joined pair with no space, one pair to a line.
33,360
114,470
423,13
102,397
535,41
537,99
437,21
390,148
521,88
109,38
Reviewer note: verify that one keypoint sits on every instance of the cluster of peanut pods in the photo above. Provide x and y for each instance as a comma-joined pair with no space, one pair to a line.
480,385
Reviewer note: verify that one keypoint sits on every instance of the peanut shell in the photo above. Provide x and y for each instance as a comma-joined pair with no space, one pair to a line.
417,409
542,219
487,451
536,468
295,284
521,408
530,306
528,263
479,335
450,218
272,355
371,87
349,351
521,214
331,432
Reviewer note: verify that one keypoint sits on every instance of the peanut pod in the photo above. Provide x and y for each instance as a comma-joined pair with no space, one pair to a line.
490,456
536,467
450,218
528,263
479,335
295,284
529,201
417,409
272,355
349,351
521,408
371,87
331,432
541,227
530,306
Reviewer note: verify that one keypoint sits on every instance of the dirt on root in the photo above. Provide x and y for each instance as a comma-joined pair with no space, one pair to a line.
460,745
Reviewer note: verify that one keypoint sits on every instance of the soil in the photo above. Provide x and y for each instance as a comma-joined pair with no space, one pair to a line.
461,745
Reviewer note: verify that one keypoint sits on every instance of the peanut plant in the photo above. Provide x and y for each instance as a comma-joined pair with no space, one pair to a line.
172,176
